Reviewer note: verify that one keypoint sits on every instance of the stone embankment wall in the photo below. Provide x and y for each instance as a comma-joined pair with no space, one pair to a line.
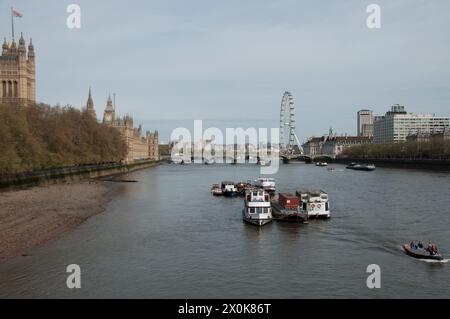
73,173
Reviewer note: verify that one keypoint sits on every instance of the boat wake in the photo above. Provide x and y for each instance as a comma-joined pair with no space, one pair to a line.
432,261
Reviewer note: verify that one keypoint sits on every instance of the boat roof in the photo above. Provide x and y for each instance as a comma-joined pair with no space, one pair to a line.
286,194
227,182
311,191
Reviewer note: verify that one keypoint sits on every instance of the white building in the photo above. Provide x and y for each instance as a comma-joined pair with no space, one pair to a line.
397,124
333,145
365,123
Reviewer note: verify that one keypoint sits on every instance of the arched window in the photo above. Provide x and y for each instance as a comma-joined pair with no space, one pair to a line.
4,88
10,88
16,89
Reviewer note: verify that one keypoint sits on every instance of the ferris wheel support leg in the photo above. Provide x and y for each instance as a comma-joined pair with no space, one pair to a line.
298,143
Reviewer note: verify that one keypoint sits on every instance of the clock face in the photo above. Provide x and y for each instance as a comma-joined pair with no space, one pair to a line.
108,117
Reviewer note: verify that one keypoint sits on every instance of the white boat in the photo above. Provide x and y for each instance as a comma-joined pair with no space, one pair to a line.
229,189
314,202
257,209
321,163
266,183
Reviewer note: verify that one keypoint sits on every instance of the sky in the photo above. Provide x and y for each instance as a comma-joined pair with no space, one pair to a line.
175,61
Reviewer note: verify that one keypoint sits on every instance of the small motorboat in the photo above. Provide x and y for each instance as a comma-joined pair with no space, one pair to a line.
321,164
266,183
421,253
216,190
361,167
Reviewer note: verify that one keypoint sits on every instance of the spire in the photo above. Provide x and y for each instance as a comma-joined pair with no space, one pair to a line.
13,47
21,40
22,48
31,47
90,105
5,47
31,50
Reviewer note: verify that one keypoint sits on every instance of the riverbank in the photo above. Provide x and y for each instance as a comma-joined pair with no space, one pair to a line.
71,174
33,216
432,164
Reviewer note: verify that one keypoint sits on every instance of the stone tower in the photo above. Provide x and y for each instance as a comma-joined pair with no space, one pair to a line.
90,106
17,73
109,116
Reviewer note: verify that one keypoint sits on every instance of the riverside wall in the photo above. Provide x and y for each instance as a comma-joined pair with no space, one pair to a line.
71,174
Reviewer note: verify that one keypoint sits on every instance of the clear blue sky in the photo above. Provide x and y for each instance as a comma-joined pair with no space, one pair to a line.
234,59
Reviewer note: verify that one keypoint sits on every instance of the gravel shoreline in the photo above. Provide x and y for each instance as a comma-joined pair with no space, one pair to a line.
33,216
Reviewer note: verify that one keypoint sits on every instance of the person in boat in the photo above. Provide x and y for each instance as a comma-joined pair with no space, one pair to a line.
420,245
411,245
434,249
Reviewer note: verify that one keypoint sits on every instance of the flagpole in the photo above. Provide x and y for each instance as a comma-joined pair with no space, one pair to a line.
12,23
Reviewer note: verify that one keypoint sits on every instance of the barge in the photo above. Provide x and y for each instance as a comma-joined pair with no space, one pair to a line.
286,208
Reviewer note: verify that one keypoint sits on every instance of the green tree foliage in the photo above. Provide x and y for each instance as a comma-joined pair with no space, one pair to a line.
43,137
434,148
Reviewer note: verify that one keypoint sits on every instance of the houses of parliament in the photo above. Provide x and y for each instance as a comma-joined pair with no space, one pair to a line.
139,147
18,86
17,73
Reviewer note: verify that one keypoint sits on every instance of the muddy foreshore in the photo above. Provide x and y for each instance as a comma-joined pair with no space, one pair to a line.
36,215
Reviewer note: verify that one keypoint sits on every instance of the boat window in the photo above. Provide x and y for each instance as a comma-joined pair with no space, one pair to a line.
304,206
327,206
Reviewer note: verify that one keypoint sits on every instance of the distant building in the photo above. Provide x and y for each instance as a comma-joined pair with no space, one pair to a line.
426,137
334,145
365,123
397,124
138,146
17,73
90,106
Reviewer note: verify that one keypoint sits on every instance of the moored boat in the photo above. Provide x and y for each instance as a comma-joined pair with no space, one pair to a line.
241,187
216,190
257,209
314,202
266,183
286,208
422,253
229,189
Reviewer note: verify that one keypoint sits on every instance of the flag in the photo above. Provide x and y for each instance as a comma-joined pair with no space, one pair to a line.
16,14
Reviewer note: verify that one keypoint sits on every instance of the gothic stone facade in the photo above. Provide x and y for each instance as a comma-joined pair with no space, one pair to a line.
139,147
17,73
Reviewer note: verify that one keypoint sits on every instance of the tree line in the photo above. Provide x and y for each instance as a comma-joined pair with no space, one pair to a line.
433,148
44,136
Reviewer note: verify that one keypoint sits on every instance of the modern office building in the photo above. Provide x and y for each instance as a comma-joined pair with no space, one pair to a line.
397,124
365,123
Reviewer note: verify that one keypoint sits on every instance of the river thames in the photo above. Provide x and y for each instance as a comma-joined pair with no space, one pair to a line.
168,237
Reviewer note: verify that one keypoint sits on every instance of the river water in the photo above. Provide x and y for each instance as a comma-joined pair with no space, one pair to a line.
166,236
